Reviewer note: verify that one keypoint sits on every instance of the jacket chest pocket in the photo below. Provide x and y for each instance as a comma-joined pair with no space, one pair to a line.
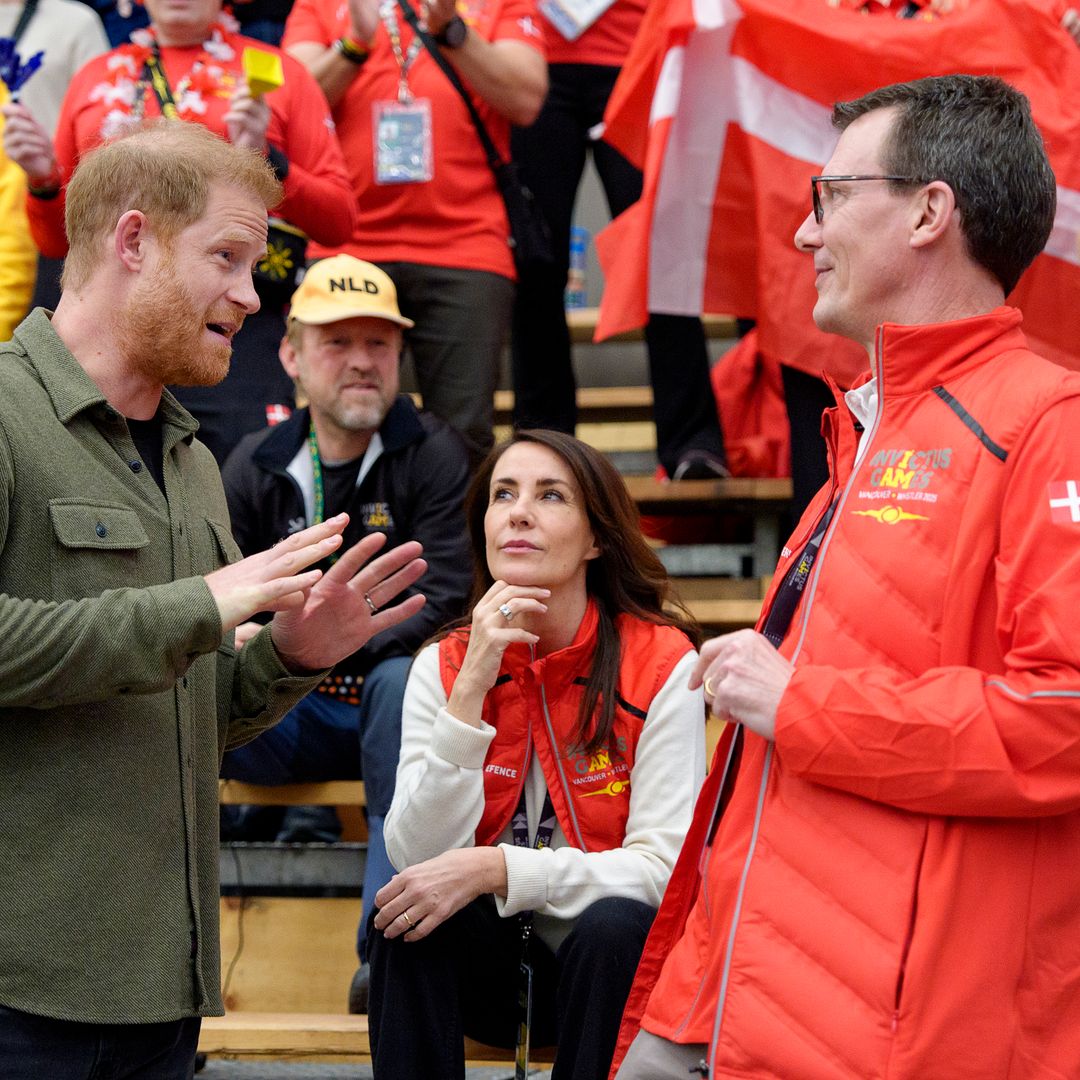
223,548
210,546
97,547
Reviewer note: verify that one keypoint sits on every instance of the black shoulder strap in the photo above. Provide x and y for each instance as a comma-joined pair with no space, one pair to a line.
491,152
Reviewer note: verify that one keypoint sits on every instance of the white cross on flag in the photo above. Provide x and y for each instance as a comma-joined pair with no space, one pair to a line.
277,414
1065,501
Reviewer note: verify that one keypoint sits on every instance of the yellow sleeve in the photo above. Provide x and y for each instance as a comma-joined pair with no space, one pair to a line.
18,256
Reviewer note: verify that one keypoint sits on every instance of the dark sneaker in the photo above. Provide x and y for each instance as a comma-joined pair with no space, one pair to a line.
701,465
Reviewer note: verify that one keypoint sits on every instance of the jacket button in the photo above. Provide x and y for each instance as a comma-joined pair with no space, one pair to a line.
135,466
101,529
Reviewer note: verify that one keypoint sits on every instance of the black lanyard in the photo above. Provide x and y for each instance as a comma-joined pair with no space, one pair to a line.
791,588
777,623
519,826
160,84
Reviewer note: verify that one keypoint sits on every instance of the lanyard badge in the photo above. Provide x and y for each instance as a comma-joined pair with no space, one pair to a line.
519,827
403,142
404,151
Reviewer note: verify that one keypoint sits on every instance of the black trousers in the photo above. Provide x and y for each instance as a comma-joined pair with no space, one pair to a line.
462,318
463,980
39,1048
551,155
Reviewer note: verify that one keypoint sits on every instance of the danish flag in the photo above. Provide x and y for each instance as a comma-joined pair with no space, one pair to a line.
277,414
1065,501
725,105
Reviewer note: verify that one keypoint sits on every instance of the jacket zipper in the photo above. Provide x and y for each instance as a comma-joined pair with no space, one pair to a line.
877,367
558,758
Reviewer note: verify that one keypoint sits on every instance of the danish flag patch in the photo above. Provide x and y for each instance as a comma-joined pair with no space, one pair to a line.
1065,501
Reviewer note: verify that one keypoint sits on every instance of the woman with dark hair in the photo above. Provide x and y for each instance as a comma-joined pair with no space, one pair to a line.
551,753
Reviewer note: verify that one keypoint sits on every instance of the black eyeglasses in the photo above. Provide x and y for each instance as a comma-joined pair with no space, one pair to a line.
815,194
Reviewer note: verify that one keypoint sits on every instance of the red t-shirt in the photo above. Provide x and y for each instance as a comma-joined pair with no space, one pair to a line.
456,219
606,42
317,194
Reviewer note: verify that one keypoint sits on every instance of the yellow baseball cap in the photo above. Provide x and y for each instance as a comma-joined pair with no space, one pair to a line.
342,287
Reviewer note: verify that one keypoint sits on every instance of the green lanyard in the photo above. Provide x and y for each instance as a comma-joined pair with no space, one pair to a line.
317,481
316,469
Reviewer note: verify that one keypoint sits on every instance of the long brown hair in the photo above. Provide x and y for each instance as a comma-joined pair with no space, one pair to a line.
625,578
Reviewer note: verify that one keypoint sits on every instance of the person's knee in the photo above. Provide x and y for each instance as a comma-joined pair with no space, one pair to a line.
614,916
611,930
387,678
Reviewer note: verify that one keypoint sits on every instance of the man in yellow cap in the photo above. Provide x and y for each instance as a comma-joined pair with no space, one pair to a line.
358,446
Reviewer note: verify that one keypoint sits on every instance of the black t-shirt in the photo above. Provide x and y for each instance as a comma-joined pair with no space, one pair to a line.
146,435
339,480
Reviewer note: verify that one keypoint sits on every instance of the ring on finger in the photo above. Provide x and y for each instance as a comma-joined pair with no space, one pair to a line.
709,687
506,611
370,603
409,922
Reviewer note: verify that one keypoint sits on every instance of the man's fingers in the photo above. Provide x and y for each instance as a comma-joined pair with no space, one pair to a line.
382,593
288,563
391,616
351,561
379,570
285,593
304,548
709,652
312,534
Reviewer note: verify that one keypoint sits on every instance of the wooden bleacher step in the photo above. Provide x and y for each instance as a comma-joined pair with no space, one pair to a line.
324,1037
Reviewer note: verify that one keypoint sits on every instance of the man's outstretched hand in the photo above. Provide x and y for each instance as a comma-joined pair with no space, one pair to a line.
276,578
346,607
321,618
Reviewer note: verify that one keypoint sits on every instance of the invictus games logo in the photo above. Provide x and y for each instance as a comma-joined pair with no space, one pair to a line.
376,515
908,470
891,515
594,769
903,476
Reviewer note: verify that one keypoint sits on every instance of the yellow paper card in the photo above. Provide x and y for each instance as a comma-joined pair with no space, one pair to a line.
262,71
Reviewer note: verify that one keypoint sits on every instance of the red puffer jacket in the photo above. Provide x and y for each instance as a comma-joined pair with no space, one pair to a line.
894,889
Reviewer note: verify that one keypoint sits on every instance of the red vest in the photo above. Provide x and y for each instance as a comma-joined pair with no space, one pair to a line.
534,704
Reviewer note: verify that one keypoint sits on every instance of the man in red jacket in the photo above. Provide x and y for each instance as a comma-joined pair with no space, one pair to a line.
880,877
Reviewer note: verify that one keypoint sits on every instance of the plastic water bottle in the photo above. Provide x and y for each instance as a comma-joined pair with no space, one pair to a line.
575,295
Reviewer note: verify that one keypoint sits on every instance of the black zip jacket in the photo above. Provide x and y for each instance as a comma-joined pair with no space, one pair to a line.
413,491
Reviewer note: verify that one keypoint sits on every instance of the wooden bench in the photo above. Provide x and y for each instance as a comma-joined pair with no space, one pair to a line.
324,1037
582,325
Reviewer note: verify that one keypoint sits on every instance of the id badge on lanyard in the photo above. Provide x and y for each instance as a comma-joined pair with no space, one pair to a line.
403,143
519,826
521,1058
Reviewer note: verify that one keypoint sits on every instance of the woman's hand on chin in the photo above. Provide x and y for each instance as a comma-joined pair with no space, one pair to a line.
416,901
496,623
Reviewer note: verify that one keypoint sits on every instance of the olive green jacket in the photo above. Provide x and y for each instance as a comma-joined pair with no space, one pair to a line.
118,695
